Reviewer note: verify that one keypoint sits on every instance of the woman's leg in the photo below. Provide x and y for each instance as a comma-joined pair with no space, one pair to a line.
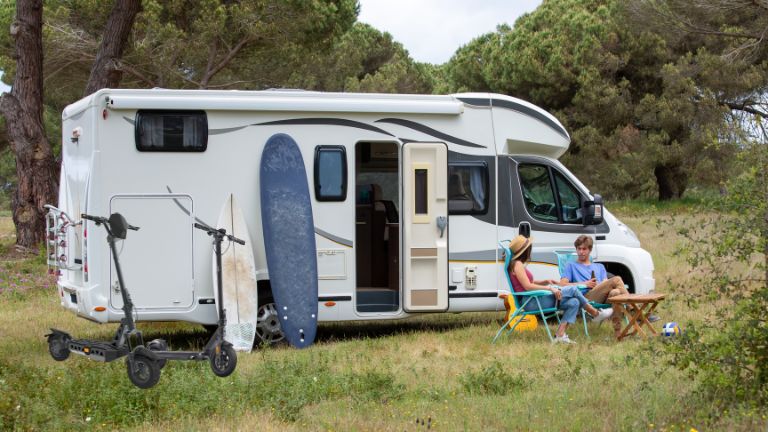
546,302
573,292
570,308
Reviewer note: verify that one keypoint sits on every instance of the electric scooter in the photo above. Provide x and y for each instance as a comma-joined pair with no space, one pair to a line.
144,362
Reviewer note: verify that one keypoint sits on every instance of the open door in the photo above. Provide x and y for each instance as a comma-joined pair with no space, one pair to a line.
425,227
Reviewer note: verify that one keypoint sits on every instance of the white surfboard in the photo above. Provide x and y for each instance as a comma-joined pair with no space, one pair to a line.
238,268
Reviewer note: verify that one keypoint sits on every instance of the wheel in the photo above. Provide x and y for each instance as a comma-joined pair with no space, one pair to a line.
268,324
224,360
143,372
159,345
58,346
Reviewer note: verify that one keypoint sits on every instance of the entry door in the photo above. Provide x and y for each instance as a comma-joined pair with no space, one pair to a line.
157,259
425,223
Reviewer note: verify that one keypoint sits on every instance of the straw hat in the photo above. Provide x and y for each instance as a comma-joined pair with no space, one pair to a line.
519,244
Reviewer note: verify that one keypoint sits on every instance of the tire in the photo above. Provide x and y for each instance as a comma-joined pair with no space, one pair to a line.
58,347
143,372
268,329
224,362
159,345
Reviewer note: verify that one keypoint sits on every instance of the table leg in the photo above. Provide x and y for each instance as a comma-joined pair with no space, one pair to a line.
627,308
645,318
638,316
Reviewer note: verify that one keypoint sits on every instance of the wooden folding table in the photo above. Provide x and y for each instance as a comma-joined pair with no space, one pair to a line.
637,307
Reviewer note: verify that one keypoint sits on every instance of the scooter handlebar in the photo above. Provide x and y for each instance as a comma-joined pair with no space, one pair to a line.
218,232
97,219
102,220
235,239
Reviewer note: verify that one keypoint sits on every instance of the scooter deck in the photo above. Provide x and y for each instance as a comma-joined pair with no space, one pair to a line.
97,350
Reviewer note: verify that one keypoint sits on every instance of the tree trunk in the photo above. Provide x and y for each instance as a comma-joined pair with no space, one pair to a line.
106,71
672,181
36,169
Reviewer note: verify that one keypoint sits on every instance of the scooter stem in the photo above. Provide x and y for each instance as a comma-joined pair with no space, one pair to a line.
217,239
127,303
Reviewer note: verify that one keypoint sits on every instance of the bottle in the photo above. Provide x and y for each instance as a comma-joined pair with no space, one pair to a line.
593,275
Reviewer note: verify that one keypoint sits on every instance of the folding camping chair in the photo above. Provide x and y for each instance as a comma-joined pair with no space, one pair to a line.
521,299
563,258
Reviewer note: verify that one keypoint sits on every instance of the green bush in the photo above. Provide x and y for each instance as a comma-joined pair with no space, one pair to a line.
493,379
728,352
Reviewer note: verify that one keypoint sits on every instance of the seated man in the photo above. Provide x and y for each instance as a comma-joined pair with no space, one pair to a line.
594,276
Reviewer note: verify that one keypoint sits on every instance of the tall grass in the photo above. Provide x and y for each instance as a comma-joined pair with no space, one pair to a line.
433,372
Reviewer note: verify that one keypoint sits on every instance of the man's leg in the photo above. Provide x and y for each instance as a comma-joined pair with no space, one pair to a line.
600,293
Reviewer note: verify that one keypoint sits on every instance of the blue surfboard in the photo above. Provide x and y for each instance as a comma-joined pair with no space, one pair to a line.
289,238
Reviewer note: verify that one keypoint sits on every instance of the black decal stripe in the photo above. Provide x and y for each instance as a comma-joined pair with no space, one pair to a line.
184,209
336,239
473,294
484,102
327,122
334,298
501,103
538,115
225,130
429,131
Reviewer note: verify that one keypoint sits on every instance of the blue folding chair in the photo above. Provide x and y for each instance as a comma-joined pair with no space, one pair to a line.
563,258
521,299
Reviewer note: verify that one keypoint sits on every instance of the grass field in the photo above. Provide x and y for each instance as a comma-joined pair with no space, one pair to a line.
436,372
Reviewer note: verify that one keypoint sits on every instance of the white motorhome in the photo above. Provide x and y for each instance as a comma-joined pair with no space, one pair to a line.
410,196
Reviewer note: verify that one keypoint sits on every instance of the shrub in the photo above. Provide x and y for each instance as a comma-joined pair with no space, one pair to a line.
493,379
729,351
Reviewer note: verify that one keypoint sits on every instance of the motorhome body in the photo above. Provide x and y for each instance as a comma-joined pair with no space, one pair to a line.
411,194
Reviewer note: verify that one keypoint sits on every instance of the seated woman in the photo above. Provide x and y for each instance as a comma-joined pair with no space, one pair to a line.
571,299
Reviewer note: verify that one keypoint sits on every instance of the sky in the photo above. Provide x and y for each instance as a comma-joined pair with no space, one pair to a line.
432,30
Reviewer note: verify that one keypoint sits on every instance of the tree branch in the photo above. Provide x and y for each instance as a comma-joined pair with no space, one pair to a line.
745,108
225,61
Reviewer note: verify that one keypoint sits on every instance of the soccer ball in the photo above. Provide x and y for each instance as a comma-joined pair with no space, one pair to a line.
671,329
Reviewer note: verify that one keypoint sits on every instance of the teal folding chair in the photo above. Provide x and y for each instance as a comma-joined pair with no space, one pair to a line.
522,299
563,258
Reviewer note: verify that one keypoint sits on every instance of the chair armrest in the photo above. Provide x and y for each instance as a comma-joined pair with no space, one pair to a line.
534,293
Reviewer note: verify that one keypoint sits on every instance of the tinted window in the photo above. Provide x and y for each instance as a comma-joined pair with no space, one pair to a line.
330,173
570,200
549,196
420,194
171,131
537,192
467,188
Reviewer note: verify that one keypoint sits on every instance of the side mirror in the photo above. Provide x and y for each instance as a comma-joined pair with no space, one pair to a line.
593,211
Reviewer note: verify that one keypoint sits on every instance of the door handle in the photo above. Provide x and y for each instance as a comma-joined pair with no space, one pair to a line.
442,223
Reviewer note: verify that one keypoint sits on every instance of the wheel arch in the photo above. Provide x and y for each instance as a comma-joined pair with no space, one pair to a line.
618,269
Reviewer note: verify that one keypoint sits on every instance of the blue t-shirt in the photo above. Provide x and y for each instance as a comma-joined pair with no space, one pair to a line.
577,272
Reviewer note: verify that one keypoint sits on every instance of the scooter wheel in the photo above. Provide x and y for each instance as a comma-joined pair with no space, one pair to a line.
142,371
58,346
224,361
159,345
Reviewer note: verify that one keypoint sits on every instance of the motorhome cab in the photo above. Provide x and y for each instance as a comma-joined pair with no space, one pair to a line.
410,196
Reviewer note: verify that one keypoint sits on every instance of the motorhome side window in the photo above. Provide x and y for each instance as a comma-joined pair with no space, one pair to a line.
330,173
549,196
171,131
467,188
